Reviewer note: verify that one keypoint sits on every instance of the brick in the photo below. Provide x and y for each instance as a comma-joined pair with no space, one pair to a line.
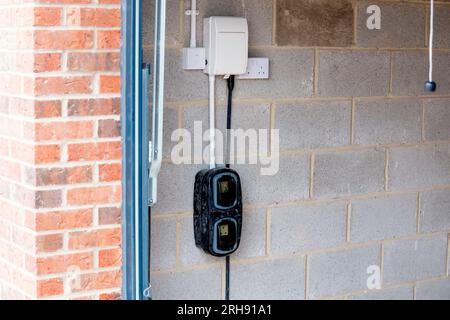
166,286
49,243
60,220
163,242
417,167
47,16
63,39
111,296
433,290
291,183
47,109
47,153
110,258
50,287
94,238
99,281
383,218
109,128
47,199
110,172
388,121
108,39
93,17
109,215
88,61
64,130
47,62
302,228
94,195
313,124
434,211
58,176
94,151
391,294
62,263
353,73
393,25
109,84
94,107
411,260
341,272
349,173
437,117
62,85
258,13
283,279
410,71
322,23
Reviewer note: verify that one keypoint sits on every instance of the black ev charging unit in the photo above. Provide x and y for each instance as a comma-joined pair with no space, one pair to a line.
218,211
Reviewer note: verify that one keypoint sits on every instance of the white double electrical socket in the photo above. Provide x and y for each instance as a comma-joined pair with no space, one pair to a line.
257,68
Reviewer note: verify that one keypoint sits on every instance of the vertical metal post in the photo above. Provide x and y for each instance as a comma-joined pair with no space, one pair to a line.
158,98
128,117
134,155
135,144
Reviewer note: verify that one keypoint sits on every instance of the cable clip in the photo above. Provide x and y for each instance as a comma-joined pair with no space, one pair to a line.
189,12
148,293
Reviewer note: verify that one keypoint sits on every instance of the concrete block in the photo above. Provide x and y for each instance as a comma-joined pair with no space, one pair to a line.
433,290
388,121
353,73
410,72
349,173
313,124
391,294
291,183
302,228
204,284
405,30
435,211
163,243
319,23
282,279
411,260
417,167
383,218
437,118
340,272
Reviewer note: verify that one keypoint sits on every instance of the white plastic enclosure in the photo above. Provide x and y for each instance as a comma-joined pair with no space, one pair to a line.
226,45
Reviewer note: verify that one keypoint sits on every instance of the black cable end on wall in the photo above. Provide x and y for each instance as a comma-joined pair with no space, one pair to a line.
430,86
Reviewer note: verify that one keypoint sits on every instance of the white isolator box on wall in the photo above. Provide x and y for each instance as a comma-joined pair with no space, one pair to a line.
226,45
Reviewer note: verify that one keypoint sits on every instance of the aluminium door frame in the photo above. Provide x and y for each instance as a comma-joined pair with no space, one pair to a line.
140,165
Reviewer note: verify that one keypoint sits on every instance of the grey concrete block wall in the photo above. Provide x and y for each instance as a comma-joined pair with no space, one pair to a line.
364,175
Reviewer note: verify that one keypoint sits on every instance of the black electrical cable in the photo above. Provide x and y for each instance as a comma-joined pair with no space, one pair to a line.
230,85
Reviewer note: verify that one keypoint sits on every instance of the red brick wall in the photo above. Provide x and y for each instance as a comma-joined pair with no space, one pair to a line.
60,149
